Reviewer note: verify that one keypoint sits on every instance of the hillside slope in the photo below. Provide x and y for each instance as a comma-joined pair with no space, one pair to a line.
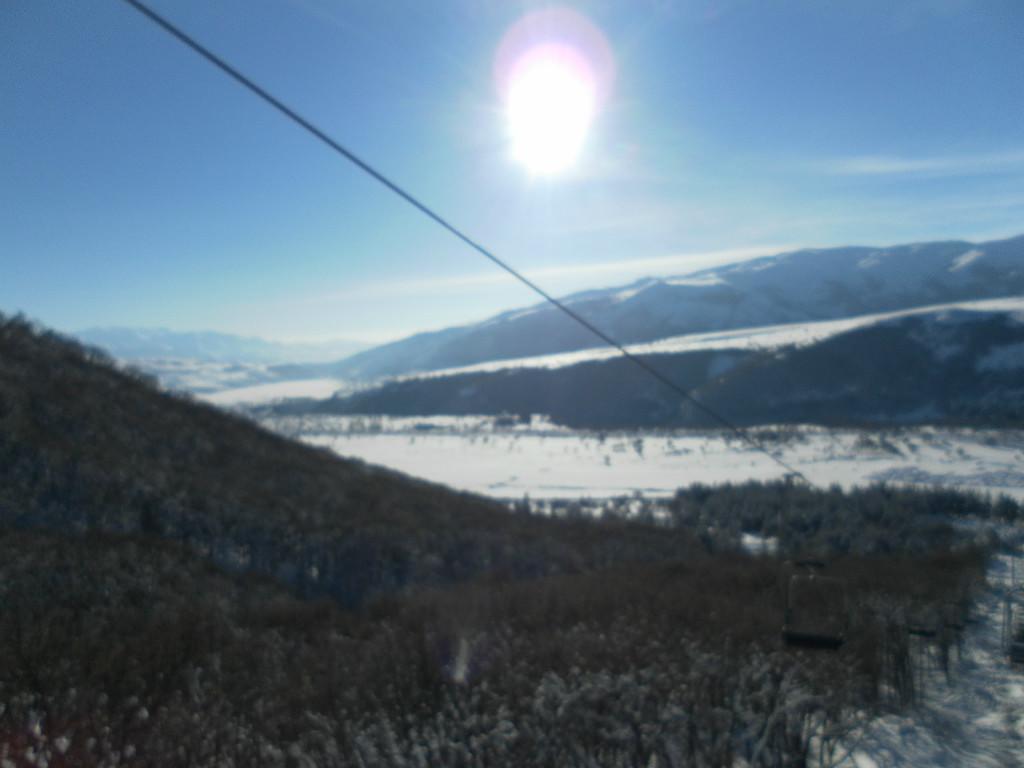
129,650
121,651
85,447
791,287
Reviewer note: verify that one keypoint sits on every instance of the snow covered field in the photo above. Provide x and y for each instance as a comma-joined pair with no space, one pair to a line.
506,459
259,394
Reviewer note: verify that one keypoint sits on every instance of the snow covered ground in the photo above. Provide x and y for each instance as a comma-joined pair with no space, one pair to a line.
507,459
261,394
976,719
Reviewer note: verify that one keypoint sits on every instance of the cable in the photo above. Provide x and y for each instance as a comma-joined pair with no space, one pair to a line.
438,219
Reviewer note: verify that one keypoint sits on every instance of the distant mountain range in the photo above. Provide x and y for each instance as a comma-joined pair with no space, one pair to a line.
815,284
949,366
732,310
149,344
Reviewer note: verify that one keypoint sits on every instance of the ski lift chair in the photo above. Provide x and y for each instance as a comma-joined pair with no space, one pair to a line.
924,622
816,612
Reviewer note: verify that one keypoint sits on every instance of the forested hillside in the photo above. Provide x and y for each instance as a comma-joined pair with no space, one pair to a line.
126,651
86,446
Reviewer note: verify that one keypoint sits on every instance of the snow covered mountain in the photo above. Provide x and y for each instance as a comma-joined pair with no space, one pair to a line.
798,286
952,365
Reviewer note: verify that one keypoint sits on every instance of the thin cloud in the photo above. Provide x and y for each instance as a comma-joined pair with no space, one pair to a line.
624,269
947,165
645,216
660,265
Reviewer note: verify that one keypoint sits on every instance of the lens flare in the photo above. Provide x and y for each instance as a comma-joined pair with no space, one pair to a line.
549,107
553,69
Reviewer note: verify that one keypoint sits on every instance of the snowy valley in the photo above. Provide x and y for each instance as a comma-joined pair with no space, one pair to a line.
507,459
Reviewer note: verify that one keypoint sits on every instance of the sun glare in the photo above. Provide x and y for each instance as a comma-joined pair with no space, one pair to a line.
554,69
549,106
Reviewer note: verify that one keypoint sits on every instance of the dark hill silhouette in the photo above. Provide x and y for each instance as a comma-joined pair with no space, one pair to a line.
86,446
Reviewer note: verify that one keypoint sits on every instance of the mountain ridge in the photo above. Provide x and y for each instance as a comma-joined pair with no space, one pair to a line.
806,284
948,366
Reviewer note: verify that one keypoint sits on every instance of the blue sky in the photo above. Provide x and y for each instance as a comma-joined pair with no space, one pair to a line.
141,187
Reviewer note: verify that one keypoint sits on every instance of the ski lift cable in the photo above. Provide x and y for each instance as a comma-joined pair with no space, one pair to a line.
364,166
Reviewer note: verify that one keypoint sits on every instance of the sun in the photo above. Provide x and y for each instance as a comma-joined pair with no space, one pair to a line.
554,70
550,103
